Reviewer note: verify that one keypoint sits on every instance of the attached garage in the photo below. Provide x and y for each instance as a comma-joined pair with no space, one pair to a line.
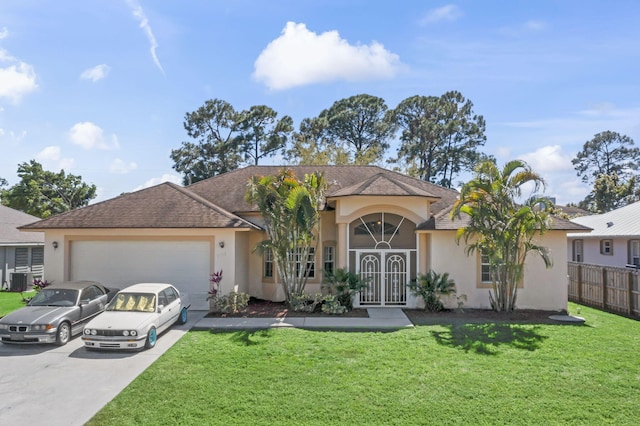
120,263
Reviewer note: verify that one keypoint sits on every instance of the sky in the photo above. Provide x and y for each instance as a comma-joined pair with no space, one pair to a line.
101,88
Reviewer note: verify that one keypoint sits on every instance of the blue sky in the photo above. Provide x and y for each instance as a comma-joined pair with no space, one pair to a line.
100,88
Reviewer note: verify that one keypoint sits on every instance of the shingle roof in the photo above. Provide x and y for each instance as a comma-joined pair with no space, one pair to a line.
442,221
162,206
622,222
10,220
338,178
382,184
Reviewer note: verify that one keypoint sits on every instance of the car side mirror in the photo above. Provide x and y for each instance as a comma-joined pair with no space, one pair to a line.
160,308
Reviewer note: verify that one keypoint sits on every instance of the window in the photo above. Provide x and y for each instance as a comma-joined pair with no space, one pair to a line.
310,263
329,259
634,252
577,251
171,295
485,269
606,247
268,264
22,259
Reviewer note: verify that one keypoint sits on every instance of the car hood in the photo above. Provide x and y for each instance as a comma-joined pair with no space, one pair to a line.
113,320
37,314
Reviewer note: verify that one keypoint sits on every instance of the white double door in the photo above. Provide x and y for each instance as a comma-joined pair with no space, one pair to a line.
387,275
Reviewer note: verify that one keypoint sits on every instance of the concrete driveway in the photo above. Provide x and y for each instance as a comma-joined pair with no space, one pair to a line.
67,385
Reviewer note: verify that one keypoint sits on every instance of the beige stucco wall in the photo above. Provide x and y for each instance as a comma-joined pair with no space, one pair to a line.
545,289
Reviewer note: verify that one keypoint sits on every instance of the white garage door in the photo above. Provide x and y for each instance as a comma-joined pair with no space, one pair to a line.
184,264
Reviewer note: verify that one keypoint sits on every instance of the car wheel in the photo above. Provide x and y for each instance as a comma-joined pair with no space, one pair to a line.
182,319
64,334
152,338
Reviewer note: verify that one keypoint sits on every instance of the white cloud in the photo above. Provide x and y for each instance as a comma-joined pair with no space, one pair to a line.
51,159
17,79
450,13
121,167
534,25
139,14
90,136
4,33
548,159
300,57
96,73
158,180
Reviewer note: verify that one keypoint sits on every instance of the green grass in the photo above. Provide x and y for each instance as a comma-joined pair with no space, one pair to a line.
471,374
10,301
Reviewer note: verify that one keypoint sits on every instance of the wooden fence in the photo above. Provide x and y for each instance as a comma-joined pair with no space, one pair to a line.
605,287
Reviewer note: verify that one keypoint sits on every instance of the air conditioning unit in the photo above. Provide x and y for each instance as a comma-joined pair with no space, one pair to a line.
20,281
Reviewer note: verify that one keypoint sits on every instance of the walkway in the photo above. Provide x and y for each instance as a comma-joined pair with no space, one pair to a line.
383,319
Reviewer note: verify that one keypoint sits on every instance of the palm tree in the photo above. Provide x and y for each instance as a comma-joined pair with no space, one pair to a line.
502,229
291,211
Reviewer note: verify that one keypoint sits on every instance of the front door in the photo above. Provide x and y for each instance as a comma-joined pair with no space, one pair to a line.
387,275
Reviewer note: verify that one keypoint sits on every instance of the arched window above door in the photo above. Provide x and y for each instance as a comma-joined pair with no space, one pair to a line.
382,231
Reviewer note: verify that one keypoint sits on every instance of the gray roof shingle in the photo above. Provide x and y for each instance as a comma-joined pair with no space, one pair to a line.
162,206
10,220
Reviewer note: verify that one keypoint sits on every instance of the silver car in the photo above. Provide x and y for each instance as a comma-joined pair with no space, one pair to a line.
56,313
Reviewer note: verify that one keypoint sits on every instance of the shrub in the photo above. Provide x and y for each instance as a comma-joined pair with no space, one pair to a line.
231,303
344,285
331,305
431,286
305,302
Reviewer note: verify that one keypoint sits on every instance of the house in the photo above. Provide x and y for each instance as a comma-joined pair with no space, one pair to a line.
614,240
382,224
21,253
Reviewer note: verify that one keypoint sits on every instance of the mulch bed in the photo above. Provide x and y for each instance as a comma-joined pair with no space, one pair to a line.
259,308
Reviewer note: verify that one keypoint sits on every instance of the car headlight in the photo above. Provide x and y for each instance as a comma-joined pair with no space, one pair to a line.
4,326
125,333
41,327
87,331
94,332
134,333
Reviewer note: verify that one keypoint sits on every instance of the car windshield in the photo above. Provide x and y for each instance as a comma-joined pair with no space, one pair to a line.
55,297
133,302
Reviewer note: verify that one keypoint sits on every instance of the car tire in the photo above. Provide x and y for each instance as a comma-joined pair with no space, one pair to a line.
152,338
182,318
63,334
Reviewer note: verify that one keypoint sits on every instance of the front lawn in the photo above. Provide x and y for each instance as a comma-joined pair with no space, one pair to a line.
10,301
454,374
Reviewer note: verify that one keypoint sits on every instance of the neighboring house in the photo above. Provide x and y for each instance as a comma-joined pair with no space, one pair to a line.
614,241
382,224
20,252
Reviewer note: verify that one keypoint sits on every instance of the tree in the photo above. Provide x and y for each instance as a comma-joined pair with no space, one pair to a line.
291,211
359,125
610,193
215,126
43,193
608,162
501,229
608,153
262,134
440,136
310,145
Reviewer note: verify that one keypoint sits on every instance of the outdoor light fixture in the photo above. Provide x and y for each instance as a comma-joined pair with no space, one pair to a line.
221,244
55,245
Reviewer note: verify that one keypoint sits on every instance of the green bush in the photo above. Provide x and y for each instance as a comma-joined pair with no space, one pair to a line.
231,303
431,286
344,285
331,305
305,302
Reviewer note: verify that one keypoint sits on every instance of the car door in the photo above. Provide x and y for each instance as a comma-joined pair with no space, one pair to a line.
92,302
170,312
